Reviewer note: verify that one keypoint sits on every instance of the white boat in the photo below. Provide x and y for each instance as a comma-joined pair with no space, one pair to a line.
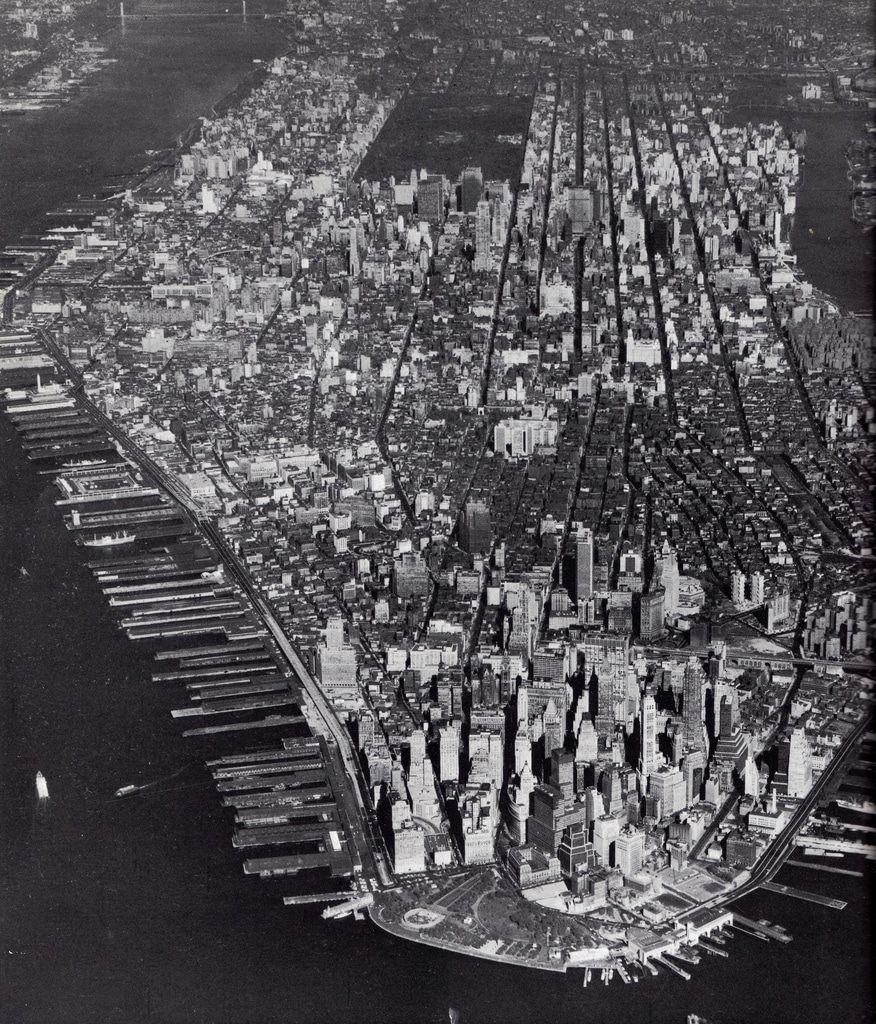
42,786
109,539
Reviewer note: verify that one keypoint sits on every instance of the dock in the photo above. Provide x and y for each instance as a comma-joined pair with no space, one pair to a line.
338,862
315,897
825,867
801,894
680,971
759,929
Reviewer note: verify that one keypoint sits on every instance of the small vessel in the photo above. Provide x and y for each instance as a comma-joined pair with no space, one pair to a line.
127,790
42,787
109,539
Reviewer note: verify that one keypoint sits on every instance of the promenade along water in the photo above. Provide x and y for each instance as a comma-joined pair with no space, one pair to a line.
137,909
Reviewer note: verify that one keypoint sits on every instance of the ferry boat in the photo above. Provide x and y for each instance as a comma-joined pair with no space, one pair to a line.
106,540
127,790
42,787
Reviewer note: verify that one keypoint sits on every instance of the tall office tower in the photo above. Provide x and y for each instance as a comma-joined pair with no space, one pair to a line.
417,767
751,777
554,728
605,704
669,579
757,585
583,566
652,613
799,764
692,706
522,749
737,586
472,188
563,773
430,199
336,663
606,829
520,804
630,851
483,254
366,729
694,768
523,704
648,760
448,752
728,715
588,742
476,530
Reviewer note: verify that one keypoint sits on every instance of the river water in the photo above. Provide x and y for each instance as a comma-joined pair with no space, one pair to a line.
137,910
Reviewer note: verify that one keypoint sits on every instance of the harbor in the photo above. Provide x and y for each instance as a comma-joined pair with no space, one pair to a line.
162,582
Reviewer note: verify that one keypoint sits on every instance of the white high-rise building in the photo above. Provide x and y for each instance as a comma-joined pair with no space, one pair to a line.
448,752
648,761
751,777
757,588
799,764
669,579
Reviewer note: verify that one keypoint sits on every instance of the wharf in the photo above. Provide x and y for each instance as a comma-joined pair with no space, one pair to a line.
760,929
65,452
175,583
305,777
212,673
714,950
263,762
227,612
801,894
255,817
680,971
162,632
217,649
265,772
821,866
239,688
190,594
49,426
271,722
338,861
244,661
44,437
283,835
287,798
315,897
227,707
111,494
100,520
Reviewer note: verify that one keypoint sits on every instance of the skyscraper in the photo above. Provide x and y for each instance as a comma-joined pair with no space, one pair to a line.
483,254
692,706
448,752
669,579
472,188
583,565
430,199
476,531
799,764
648,760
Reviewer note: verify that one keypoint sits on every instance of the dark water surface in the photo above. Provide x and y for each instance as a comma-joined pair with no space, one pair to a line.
833,252
170,71
137,909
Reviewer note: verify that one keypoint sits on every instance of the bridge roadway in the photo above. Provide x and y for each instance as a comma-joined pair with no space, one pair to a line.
369,846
